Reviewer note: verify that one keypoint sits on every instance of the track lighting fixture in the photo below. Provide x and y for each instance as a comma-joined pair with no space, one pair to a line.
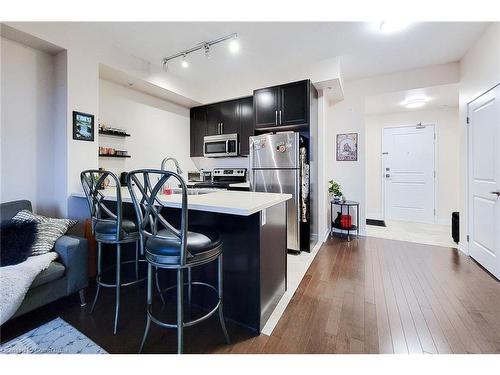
234,47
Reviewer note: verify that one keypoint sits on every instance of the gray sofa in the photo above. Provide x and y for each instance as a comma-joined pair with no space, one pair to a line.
66,275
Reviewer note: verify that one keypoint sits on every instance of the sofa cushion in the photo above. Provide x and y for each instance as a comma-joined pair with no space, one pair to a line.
54,272
49,230
9,209
16,240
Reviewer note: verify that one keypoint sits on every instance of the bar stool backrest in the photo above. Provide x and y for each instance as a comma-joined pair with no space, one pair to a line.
92,180
145,187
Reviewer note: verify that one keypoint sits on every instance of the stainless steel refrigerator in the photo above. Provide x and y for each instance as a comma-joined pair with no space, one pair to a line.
278,165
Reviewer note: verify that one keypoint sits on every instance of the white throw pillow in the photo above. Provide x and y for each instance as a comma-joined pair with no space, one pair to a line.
48,230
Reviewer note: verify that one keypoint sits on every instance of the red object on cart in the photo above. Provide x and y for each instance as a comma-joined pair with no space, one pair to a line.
345,221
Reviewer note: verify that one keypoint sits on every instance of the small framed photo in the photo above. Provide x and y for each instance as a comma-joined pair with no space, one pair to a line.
347,147
83,126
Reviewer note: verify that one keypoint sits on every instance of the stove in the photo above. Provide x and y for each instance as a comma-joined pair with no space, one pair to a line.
223,177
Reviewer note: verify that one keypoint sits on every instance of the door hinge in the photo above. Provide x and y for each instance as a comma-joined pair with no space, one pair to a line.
468,120
467,238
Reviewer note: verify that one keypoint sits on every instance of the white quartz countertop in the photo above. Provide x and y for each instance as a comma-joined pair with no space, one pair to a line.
244,203
241,185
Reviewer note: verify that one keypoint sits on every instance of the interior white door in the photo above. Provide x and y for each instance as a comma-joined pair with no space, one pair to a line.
409,173
484,180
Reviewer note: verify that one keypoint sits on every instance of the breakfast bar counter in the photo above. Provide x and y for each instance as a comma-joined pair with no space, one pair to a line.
252,226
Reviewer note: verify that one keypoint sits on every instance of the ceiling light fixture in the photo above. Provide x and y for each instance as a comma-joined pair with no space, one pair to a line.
234,45
415,103
388,27
205,46
184,62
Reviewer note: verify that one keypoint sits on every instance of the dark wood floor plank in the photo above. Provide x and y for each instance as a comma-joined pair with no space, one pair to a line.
369,295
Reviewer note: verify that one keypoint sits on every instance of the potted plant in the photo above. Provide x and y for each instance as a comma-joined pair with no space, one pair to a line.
335,190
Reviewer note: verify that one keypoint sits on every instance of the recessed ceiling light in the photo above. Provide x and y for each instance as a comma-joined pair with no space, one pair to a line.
234,46
415,103
391,27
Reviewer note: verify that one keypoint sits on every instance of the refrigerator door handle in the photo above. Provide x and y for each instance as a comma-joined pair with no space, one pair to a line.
276,117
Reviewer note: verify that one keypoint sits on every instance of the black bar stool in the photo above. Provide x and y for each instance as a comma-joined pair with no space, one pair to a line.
166,247
109,228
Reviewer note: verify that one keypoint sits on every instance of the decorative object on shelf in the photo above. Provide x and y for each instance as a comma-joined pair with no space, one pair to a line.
347,147
335,189
106,130
83,126
109,151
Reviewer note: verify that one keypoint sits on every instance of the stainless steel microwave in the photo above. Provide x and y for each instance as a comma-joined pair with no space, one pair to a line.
223,145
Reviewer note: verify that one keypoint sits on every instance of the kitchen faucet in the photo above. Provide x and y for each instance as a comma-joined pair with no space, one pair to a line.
164,162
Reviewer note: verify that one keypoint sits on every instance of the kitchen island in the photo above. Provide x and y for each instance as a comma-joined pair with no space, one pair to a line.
253,230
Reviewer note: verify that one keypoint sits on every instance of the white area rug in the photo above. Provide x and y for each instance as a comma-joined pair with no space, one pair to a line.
54,337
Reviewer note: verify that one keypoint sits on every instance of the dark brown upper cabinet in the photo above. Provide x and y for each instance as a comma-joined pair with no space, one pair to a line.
285,105
246,124
233,116
198,129
266,107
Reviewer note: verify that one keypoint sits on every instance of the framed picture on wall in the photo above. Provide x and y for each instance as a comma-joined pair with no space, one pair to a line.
347,147
83,126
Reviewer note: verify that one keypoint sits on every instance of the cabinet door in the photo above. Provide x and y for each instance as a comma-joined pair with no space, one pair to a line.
294,103
213,119
229,117
197,130
246,123
266,107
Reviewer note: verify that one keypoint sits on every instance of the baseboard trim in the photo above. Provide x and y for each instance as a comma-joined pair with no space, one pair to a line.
463,247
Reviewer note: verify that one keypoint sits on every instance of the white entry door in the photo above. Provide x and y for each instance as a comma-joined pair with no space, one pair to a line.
409,173
484,180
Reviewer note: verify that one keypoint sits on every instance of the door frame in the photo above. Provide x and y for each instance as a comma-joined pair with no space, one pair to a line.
463,245
436,164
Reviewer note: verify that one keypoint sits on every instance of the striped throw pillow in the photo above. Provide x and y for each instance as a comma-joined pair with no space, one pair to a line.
48,230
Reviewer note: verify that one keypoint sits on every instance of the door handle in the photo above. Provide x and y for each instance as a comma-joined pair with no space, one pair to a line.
276,117
496,192
218,129
222,128
281,123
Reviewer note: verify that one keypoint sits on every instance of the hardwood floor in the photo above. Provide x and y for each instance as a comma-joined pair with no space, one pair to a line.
366,296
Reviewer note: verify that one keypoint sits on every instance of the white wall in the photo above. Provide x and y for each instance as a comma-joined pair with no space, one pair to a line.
447,131
158,129
479,71
27,126
348,116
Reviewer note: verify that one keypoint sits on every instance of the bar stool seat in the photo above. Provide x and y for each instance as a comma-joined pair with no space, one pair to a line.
166,248
106,231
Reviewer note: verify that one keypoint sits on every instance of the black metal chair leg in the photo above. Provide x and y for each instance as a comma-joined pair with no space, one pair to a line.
136,260
158,288
118,281
189,281
98,277
83,302
149,302
180,310
220,291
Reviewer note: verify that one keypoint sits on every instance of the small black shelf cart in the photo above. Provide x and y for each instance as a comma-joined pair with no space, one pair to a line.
348,206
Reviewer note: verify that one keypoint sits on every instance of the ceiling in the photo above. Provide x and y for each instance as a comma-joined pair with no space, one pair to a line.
271,48
444,96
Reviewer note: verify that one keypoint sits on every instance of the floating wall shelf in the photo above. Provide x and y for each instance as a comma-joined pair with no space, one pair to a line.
114,156
113,133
